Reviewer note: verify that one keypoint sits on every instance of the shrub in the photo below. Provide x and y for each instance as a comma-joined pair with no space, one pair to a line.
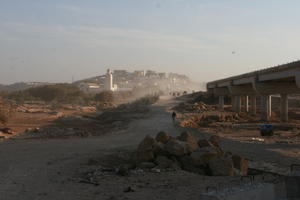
58,93
147,100
6,111
106,96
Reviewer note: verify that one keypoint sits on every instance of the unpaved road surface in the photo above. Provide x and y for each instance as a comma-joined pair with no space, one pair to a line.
41,169
48,169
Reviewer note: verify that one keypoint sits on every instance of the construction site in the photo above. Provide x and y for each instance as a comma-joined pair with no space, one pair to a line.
214,148
149,100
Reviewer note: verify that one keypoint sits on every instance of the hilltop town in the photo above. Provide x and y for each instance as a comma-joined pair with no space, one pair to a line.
122,80
149,100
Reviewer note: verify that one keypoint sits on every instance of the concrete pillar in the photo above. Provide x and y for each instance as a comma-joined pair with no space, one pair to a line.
238,104
270,106
233,103
253,105
266,109
221,102
246,104
284,108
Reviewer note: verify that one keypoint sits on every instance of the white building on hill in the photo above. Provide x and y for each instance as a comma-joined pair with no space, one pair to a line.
109,84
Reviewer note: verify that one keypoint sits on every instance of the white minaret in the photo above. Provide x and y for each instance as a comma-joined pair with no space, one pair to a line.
109,81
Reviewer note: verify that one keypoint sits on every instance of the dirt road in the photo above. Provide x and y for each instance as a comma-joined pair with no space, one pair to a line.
40,169
47,169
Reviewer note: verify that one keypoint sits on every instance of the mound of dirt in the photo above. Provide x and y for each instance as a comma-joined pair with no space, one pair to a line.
196,107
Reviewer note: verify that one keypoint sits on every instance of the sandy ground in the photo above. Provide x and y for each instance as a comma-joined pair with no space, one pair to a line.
42,169
50,169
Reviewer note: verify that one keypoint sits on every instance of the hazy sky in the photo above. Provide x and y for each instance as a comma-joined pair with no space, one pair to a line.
53,40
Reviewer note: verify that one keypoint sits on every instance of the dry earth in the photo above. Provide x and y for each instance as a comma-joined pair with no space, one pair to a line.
51,169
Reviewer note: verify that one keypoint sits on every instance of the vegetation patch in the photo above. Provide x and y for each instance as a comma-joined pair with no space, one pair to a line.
6,110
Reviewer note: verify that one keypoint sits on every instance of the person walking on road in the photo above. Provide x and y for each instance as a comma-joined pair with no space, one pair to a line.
174,115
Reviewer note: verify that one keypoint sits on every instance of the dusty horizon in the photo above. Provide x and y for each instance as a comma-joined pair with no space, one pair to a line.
205,40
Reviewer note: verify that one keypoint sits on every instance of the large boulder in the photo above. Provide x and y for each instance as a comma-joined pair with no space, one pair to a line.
240,164
190,140
145,151
204,143
162,137
163,163
159,149
221,166
145,156
177,148
188,165
215,140
202,156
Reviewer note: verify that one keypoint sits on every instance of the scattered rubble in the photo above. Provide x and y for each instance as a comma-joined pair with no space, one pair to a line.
6,130
165,154
210,119
197,107
186,152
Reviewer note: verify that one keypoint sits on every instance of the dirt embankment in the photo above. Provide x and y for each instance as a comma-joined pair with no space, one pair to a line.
48,121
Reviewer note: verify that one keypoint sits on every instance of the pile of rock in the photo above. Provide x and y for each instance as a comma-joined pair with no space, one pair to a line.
186,152
6,131
210,119
197,107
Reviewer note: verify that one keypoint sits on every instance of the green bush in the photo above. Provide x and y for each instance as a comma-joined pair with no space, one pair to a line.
58,93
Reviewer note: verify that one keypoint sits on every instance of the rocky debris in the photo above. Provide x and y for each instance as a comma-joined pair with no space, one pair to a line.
187,164
201,156
6,130
164,162
241,164
221,166
204,143
190,140
28,108
210,119
197,107
162,137
145,151
185,152
159,149
177,148
215,140
87,109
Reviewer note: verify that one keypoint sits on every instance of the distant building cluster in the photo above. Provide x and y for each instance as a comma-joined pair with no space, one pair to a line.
122,80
